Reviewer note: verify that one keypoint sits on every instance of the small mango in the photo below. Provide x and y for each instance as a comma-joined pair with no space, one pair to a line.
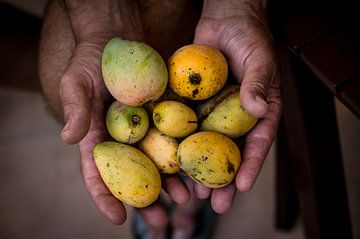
209,158
174,119
161,149
224,114
197,72
128,173
126,124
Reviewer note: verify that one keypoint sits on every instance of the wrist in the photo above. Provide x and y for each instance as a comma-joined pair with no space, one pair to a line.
100,20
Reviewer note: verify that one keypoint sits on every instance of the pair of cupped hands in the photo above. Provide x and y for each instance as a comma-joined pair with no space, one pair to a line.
237,28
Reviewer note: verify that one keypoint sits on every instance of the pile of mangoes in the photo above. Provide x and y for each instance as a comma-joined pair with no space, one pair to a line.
168,117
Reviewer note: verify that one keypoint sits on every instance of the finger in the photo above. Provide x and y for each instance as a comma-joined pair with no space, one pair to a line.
176,188
222,198
75,93
154,216
203,30
259,72
258,143
201,191
105,202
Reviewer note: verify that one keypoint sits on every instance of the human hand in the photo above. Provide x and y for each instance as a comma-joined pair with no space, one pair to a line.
239,30
83,98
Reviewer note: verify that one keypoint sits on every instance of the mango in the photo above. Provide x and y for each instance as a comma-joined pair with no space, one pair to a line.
133,72
161,149
127,124
174,119
128,173
224,114
209,158
197,72
167,95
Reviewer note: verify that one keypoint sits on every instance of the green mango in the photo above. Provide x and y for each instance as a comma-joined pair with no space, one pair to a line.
133,72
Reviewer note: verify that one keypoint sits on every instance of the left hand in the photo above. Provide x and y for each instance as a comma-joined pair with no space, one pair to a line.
239,29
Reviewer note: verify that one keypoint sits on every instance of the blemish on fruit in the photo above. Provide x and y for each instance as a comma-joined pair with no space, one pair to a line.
194,78
230,167
195,92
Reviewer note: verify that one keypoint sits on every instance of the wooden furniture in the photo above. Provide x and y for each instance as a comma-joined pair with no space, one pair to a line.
320,59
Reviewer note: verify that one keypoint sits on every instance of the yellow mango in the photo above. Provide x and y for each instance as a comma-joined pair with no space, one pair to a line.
197,72
174,119
161,149
224,114
209,158
128,173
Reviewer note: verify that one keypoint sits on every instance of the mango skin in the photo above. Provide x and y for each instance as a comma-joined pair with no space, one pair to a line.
209,158
133,72
162,150
126,124
128,173
224,114
168,95
174,119
197,72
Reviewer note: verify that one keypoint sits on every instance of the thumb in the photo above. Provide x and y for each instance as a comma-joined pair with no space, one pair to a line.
75,92
259,71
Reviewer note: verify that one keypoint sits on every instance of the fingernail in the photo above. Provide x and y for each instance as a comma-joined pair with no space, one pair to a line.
181,234
66,128
260,99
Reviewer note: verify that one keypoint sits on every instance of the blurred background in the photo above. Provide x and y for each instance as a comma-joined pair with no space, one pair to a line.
41,190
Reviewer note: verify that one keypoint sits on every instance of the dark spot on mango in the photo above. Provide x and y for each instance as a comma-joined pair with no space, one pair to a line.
157,117
195,92
108,165
230,167
194,78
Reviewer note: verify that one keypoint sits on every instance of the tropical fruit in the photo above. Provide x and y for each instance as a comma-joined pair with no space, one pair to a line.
133,72
197,72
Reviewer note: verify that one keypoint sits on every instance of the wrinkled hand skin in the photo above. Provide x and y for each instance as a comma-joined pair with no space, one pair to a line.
239,29
73,36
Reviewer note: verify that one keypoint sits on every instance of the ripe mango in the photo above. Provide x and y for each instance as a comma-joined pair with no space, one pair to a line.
209,158
128,173
133,72
161,149
197,72
174,119
168,95
224,114
126,124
